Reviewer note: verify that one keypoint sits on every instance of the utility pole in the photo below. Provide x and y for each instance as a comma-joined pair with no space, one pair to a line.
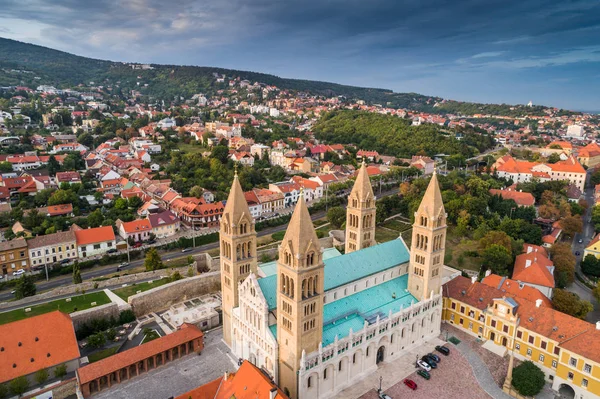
194,232
128,258
46,267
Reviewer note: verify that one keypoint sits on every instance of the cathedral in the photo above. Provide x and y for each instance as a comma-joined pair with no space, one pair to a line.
317,320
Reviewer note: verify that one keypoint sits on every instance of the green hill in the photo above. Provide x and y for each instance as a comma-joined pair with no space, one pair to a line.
165,81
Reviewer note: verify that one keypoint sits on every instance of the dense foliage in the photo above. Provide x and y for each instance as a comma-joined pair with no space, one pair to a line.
391,135
528,379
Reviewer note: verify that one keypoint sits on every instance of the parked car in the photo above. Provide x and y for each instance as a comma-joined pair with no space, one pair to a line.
137,245
411,384
184,250
429,361
122,266
581,240
65,261
384,396
112,251
423,365
434,357
424,374
19,272
443,350
151,242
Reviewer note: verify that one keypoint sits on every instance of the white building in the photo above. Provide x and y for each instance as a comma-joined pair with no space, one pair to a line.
95,241
575,131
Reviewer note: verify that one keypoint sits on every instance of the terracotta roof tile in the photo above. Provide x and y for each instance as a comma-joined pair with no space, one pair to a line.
94,235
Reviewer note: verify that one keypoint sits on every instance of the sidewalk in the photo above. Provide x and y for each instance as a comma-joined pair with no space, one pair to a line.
117,299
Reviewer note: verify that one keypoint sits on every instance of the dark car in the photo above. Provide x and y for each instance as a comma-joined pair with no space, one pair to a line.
65,261
434,357
112,251
429,361
411,384
137,245
151,242
424,374
443,350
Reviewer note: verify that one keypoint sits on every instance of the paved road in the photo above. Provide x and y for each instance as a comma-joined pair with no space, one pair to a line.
586,236
100,271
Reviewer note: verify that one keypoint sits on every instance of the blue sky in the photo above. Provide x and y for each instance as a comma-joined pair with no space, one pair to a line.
474,50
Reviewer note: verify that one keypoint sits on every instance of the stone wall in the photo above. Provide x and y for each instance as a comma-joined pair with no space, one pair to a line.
99,312
61,391
204,259
75,289
161,298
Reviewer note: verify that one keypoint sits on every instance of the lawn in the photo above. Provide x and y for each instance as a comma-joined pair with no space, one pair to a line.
130,290
191,148
383,235
80,302
397,225
459,251
278,236
104,353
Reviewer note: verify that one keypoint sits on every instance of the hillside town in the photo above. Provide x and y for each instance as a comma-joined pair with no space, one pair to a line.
244,247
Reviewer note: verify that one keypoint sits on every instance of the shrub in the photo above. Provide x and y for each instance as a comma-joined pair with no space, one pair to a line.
41,376
97,340
60,371
19,385
3,391
528,379
126,316
111,334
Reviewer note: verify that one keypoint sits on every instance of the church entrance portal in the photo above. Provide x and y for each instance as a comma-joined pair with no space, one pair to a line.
380,354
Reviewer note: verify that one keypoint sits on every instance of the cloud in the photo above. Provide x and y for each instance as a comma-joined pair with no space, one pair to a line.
488,54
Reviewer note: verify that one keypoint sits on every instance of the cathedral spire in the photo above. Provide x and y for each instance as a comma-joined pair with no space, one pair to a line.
432,203
362,186
236,205
300,232
360,213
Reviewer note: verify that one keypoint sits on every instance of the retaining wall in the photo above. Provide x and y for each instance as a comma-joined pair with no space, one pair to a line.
161,298
99,312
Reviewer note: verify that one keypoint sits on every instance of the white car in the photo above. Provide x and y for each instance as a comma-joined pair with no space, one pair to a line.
423,365
19,272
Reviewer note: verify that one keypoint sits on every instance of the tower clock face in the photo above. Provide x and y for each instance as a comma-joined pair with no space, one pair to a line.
502,308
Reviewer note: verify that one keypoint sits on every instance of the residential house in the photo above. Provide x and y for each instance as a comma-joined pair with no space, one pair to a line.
52,248
593,248
254,205
312,190
137,230
290,191
515,288
371,156
164,224
589,155
70,177
14,256
270,201
94,241
243,158
535,269
423,163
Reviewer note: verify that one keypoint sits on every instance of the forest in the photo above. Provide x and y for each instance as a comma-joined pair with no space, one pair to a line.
391,135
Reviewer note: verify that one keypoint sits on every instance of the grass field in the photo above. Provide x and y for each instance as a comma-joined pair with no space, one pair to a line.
192,148
104,353
397,225
130,290
383,235
457,250
80,302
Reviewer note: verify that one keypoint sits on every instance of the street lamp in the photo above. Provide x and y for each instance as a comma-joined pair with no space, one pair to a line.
416,361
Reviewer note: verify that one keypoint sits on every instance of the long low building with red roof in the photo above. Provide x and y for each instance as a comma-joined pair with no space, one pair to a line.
94,241
36,343
103,374
521,198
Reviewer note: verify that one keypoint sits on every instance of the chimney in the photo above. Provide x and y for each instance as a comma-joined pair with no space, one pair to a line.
488,272
538,303
528,263
272,393
473,279
529,249
598,325
226,376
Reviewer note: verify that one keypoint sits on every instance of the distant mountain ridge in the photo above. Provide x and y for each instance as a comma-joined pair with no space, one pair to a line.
168,81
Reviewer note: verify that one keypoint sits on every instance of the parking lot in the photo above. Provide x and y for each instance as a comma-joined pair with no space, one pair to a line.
453,379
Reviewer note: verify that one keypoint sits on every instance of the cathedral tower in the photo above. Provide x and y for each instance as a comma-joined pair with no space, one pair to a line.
428,243
360,213
238,251
300,282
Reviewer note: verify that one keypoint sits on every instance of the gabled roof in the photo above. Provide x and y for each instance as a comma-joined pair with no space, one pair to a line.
94,235
137,226
534,268
521,198
515,288
36,343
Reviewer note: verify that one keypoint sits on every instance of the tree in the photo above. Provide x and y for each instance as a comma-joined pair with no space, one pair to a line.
77,273
553,158
596,291
53,165
3,391
6,167
25,287
153,261
220,152
590,265
135,202
572,225
570,303
63,197
564,263
196,191
336,216
41,376
60,371
19,385
95,218
97,340
495,237
498,258
528,379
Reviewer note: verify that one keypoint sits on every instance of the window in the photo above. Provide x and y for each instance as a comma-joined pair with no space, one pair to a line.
541,358
309,382
480,330
570,375
517,346
340,366
584,383
554,364
354,359
493,323
544,345
462,309
452,317
470,326
453,305
461,321
587,368
528,352
531,339
325,374
519,334
96,246
573,362
505,328
556,350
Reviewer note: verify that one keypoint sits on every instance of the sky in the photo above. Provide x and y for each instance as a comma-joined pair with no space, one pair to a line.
469,50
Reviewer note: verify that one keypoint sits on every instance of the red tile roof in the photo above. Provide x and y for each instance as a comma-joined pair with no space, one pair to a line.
534,268
94,235
137,226
513,287
246,383
56,210
522,199
187,332
48,339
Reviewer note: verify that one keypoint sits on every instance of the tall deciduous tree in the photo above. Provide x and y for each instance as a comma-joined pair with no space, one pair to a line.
569,303
153,261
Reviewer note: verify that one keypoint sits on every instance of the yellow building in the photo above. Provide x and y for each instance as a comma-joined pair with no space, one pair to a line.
567,349
593,248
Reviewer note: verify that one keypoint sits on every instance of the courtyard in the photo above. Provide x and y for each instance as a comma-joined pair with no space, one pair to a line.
180,376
